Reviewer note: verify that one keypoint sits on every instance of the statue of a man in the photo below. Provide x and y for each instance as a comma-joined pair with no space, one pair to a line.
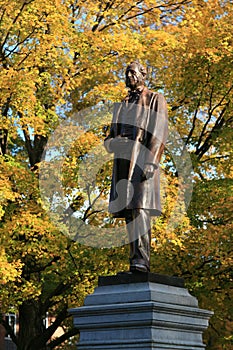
137,137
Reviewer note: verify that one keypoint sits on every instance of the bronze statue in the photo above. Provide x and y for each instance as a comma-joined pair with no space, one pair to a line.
137,137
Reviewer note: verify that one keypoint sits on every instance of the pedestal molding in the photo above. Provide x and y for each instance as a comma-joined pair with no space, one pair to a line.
142,316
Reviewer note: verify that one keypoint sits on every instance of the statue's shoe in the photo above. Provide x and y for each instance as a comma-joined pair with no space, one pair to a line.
138,268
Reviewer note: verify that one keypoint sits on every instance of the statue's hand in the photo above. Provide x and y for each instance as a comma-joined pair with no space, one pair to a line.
120,144
148,171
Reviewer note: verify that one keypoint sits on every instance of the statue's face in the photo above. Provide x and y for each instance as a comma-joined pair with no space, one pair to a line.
133,77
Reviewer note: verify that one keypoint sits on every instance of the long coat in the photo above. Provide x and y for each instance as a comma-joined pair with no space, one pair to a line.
143,116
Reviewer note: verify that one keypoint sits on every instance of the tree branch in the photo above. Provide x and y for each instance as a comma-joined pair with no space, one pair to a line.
41,340
213,158
100,15
142,12
193,124
29,147
72,332
39,146
4,132
44,267
59,290
14,21
3,13
19,43
217,126
210,113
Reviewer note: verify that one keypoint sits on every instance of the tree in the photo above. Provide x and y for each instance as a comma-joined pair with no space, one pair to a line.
198,82
58,58
45,51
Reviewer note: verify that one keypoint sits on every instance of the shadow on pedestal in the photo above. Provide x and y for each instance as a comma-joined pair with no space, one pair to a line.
140,311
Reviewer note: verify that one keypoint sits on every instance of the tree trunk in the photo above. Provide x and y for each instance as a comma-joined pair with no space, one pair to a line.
30,326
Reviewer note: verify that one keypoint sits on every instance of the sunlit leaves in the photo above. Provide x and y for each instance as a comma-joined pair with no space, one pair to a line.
59,57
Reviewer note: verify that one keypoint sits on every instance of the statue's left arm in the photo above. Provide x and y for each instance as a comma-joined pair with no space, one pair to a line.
157,132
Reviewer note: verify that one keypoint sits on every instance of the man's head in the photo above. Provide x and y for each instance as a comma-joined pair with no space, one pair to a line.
135,75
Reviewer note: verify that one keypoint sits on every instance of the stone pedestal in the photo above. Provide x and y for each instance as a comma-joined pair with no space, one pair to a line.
140,311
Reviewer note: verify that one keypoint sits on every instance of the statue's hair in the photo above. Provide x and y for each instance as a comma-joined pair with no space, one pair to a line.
141,68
